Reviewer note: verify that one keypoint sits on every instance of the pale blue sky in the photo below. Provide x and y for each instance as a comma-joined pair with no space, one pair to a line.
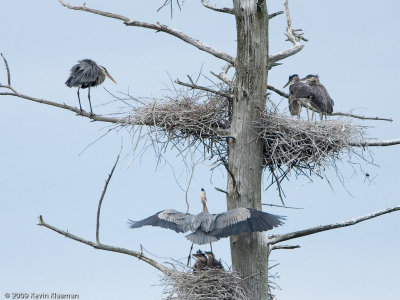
353,46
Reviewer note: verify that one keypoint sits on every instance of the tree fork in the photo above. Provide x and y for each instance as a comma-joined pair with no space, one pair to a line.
249,251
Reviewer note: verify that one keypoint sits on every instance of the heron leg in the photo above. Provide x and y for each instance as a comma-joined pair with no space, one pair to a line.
79,98
90,103
308,113
190,253
211,247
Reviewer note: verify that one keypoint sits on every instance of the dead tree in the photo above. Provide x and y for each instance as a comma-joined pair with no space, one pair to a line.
235,130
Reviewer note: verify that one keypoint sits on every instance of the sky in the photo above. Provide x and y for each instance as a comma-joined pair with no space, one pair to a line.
54,163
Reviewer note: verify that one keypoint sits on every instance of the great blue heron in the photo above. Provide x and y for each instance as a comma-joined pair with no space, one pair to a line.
298,92
86,74
201,261
206,227
322,101
212,262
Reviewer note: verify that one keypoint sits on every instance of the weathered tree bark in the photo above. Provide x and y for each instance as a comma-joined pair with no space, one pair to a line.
249,254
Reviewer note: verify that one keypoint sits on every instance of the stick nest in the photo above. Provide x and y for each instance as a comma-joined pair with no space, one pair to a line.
189,121
304,144
210,284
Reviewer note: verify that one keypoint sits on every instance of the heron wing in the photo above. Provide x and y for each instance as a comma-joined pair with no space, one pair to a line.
301,90
169,219
240,220
329,101
200,238
83,73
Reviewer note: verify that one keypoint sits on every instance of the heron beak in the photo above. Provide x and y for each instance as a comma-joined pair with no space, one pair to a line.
109,76
289,82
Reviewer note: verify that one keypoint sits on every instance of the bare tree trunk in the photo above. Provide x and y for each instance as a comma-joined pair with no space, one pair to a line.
249,254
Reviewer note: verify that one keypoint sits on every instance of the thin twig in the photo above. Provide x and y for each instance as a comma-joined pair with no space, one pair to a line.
7,69
102,197
282,206
203,88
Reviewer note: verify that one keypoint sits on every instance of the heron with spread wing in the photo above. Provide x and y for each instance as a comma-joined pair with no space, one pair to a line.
86,74
206,227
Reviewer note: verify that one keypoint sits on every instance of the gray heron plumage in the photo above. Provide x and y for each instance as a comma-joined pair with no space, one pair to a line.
321,100
86,74
206,227
201,261
212,262
298,92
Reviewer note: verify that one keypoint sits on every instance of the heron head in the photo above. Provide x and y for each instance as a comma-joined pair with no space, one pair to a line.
107,74
199,256
292,78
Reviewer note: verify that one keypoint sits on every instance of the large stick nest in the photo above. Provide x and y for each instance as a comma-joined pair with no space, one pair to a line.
290,144
211,284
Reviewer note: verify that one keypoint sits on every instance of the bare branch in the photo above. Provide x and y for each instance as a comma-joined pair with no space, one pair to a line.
223,75
8,70
279,92
293,235
102,197
223,10
65,106
231,11
273,15
282,206
203,88
105,247
221,190
360,117
157,27
293,37
287,247
283,94
375,143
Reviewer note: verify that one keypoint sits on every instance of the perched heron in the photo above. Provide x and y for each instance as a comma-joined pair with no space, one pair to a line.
86,74
298,92
206,227
212,263
201,261
322,101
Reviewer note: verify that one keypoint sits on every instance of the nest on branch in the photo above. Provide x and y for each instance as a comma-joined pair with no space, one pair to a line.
184,119
209,284
302,145
203,119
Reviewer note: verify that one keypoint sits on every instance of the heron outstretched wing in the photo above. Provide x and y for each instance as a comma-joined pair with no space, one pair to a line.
240,220
169,219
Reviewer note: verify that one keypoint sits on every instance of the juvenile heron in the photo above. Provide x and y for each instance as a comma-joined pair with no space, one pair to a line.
322,101
206,227
298,92
201,261
86,74
212,262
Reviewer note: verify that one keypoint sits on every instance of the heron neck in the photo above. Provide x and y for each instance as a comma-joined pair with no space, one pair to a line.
204,207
